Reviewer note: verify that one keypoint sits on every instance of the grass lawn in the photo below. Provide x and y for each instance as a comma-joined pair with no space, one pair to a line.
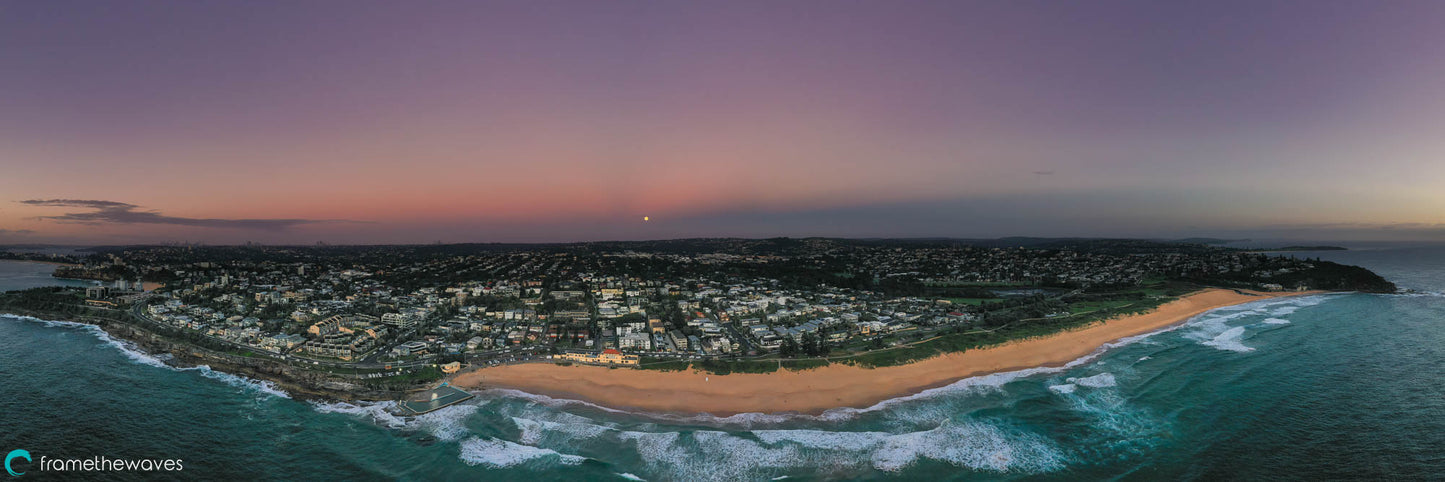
1087,306
971,301
984,284
724,367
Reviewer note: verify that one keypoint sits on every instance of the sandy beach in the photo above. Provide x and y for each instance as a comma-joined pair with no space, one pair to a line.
836,385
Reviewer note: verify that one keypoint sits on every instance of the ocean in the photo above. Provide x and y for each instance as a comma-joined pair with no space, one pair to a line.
19,275
1336,386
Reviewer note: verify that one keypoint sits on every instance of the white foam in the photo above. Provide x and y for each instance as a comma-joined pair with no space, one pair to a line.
630,477
130,350
1216,332
1112,413
137,355
712,455
1214,319
651,445
822,439
1313,299
533,431
973,445
991,381
1142,358
741,420
716,455
501,453
381,412
1211,319
1232,308
262,386
447,424
1101,380
982,382
1065,389
540,412
1230,340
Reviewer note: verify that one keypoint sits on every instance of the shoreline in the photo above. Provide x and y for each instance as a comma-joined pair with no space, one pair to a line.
837,385
297,384
56,263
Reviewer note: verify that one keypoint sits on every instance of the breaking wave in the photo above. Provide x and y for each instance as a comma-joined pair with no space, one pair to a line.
523,429
1101,380
713,455
447,424
1230,340
501,453
137,355
380,412
981,383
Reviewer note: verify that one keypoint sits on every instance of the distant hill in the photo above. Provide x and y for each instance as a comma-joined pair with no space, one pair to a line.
1209,241
1302,248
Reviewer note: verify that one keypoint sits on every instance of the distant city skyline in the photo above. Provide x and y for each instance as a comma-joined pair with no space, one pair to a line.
363,122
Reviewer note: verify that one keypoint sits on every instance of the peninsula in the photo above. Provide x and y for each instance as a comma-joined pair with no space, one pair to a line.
695,325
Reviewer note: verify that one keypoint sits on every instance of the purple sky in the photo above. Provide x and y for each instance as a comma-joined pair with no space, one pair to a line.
383,122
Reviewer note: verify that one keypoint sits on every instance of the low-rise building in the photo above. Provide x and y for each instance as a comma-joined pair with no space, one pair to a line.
606,357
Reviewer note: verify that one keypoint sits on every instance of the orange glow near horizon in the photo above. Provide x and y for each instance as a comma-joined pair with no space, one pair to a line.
468,122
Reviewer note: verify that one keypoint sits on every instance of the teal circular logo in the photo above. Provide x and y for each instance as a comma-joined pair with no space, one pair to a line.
16,454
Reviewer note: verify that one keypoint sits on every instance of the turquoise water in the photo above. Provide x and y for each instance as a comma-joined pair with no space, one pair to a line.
1321,387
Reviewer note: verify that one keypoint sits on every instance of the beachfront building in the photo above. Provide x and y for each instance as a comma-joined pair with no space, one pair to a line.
343,343
606,357
639,341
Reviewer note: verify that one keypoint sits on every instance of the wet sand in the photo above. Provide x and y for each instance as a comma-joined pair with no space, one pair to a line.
836,385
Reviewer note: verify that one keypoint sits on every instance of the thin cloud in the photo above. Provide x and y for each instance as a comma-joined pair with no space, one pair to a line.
1044,173
1350,230
114,212
16,232
1359,225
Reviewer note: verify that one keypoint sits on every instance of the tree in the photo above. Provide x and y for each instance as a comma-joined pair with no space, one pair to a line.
876,344
789,348
810,343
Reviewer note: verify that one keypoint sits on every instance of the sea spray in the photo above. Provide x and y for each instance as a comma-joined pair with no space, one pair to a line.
382,413
500,453
140,356
1231,340
975,384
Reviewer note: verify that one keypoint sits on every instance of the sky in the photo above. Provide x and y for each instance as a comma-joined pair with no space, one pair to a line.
541,121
